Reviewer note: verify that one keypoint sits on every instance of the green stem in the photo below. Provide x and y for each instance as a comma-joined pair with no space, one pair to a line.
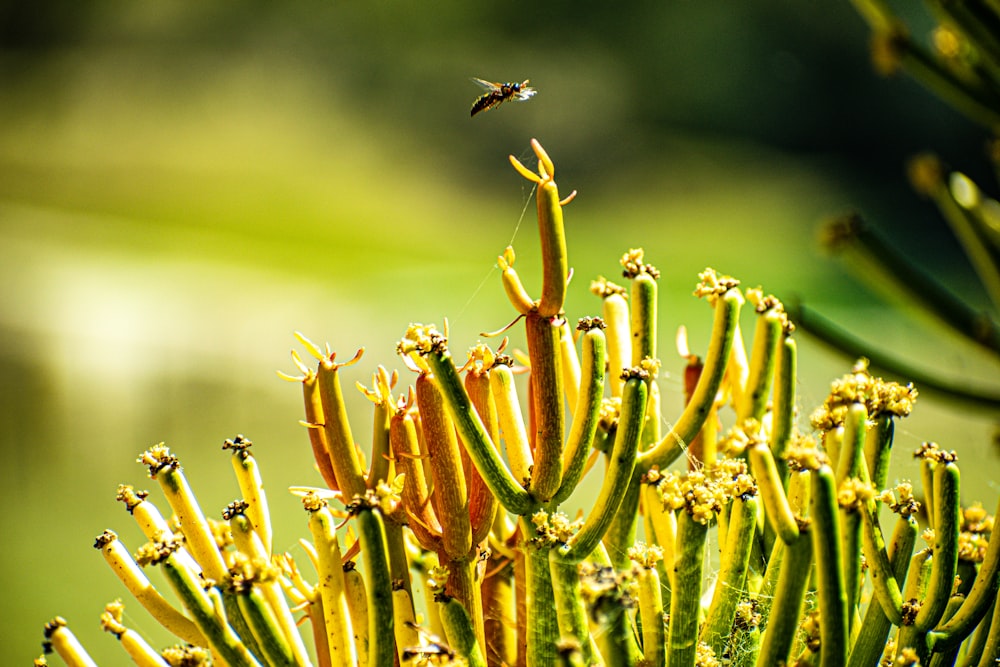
542,619
555,260
885,578
947,523
233,615
381,455
571,611
851,467
343,452
643,328
587,413
973,103
870,642
402,585
269,592
730,584
330,582
776,508
917,576
963,225
878,450
482,504
615,311
830,584
207,614
746,646
511,422
651,612
374,552
620,535
947,658
927,468
549,411
762,363
264,626
197,534
977,644
464,585
991,651
910,282
977,603
458,628
784,403
643,317
786,605
798,499
619,645
765,596
685,601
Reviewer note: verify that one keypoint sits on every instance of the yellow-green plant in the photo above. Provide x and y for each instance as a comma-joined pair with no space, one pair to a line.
462,491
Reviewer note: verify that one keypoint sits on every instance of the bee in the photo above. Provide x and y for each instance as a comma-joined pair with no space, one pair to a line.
498,93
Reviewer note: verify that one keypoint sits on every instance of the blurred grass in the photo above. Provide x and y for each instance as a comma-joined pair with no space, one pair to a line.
170,212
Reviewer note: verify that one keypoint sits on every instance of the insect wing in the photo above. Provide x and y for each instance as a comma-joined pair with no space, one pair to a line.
524,94
488,86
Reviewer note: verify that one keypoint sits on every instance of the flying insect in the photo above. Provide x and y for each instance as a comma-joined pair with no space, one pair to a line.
498,93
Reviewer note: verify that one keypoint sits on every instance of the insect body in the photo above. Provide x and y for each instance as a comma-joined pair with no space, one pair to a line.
498,93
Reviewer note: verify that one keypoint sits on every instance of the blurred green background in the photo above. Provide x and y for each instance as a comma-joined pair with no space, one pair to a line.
184,184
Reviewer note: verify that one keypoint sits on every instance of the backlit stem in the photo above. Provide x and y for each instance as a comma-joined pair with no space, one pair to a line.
947,522
776,508
371,532
511,419
621,465
767,333
833,612
587,413
330,583
875,627
548,398
343,453
730,584
689,560
786,605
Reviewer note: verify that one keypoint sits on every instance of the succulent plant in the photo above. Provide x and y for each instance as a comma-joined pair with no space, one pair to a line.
460,497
